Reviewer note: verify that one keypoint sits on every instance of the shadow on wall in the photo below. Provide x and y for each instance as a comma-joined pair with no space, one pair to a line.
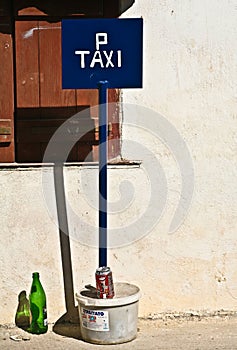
23,316
88,8
68,323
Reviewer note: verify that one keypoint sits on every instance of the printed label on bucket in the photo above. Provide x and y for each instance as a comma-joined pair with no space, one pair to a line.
95,320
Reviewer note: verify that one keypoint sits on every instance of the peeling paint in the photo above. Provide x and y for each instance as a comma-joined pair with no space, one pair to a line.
29,33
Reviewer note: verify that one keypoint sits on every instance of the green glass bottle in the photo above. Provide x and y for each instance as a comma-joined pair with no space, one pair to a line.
39,323
23,315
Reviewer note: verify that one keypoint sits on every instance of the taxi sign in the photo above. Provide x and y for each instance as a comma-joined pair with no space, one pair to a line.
95,50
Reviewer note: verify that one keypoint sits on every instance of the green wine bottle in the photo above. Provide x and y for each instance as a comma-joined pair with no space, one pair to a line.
39,323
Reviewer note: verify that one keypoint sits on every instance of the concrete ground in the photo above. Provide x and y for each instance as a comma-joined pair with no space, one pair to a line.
183,334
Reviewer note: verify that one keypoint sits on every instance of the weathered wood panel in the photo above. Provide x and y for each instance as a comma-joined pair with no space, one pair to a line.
27,64
6,98
51,92
114,147
90,98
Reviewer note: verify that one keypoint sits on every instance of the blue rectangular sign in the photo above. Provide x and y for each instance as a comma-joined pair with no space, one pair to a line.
102,49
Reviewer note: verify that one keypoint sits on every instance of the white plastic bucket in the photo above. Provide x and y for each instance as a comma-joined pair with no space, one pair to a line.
109,321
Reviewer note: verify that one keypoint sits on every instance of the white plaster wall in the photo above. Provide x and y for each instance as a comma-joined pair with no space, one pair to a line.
190,71
189,78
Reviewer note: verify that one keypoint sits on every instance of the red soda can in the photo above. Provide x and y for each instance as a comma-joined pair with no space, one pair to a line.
104,283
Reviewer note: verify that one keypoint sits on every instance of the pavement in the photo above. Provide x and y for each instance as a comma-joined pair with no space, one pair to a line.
196,333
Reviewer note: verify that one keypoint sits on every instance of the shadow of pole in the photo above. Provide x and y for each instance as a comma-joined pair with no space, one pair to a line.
71,316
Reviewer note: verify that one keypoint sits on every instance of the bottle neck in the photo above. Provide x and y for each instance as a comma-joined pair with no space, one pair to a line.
35,274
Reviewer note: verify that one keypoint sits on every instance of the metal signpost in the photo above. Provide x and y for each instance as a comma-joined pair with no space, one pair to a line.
101,54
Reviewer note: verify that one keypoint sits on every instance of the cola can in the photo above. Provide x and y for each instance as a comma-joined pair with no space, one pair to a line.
104,283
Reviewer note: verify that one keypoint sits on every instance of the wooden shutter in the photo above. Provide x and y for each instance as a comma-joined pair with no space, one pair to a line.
42,105
6,86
